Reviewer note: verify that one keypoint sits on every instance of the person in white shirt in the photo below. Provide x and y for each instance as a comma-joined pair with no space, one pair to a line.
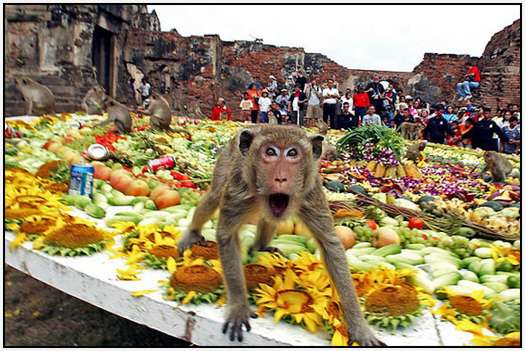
264,106
347,97
314,94
371,117
330,96
144,89
272,87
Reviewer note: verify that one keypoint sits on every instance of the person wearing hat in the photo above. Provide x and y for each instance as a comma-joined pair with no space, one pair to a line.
264,107
272,87
482,133
437,127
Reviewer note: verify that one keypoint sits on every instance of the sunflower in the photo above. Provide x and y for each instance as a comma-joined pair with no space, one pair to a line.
70,238
473,307
511,340
194,280
391,306
289,303
367,281
208,251
37,225
256,274
278,262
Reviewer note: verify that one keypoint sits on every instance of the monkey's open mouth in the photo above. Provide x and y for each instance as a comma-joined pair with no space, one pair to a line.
278,204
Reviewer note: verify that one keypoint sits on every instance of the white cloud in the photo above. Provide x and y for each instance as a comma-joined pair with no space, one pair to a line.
381,37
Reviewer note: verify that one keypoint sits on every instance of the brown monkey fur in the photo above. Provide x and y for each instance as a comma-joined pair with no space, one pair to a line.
498,166
409,130
159,112
272,171
117,114
414,150
323,127
93,102
39,98
329,152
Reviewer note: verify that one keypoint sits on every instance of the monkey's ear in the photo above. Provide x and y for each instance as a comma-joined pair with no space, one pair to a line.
245,140
317,145
24,80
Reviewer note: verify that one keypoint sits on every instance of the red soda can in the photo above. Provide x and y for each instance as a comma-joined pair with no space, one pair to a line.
164,162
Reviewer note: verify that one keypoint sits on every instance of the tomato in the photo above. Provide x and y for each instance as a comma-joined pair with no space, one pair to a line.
372,224
415,223
187,184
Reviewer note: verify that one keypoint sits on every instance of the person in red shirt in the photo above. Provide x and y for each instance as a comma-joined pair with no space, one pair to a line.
472,81
219,109
361,102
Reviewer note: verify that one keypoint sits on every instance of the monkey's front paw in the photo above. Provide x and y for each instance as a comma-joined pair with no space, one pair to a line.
188,240
236,318
364,337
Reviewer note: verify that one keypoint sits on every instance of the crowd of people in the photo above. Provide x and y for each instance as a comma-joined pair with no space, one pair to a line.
381,102
306,102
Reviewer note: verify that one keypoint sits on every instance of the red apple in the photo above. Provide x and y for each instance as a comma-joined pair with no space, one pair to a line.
137,188
101,171
159,190
167,199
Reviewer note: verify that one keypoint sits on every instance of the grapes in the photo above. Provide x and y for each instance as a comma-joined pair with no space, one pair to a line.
364,233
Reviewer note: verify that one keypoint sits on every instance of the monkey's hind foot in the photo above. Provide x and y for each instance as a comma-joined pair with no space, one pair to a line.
270,249
364,337
238,316
189,239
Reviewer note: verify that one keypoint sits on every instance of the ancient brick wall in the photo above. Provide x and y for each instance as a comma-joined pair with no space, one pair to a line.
437,75
53,45
500,68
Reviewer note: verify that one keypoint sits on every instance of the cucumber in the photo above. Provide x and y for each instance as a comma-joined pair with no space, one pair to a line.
415,246
311,244
97,183
356,265
497,287
95,211
100,200
406,257
469,260
138,199
106,188
363,251
361,245
81,202
475,266
483,252
475,286
391,249
451,278
468,275
430,250
488,266
513,282
493,278
294,238
422,280
510,294
288,248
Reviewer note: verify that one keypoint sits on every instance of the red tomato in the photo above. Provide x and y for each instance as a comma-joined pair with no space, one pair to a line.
179,176
372,224
415,223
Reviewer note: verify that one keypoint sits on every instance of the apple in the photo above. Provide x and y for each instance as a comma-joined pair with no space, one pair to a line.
159,190
167,199
137,188
101,171
123,183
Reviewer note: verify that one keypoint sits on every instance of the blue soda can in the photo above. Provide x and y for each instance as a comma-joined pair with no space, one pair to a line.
81,182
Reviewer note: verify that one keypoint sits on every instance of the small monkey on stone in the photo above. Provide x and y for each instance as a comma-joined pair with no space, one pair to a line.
272,172
329,152
498,166
409,130
117,114
414,151
39,98
93,102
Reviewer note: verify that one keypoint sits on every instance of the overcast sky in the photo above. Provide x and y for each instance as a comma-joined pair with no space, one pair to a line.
380,37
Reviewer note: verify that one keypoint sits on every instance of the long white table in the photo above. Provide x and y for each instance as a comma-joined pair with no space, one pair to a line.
93,279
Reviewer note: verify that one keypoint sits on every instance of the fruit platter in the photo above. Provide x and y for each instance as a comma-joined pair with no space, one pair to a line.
433,244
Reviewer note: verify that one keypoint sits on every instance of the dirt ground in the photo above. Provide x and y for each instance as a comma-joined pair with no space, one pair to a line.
39,315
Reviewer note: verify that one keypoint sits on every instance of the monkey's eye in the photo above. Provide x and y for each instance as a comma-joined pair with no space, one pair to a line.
292,153
271,151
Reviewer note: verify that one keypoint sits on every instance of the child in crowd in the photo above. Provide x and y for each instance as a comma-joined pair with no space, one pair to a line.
246,106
